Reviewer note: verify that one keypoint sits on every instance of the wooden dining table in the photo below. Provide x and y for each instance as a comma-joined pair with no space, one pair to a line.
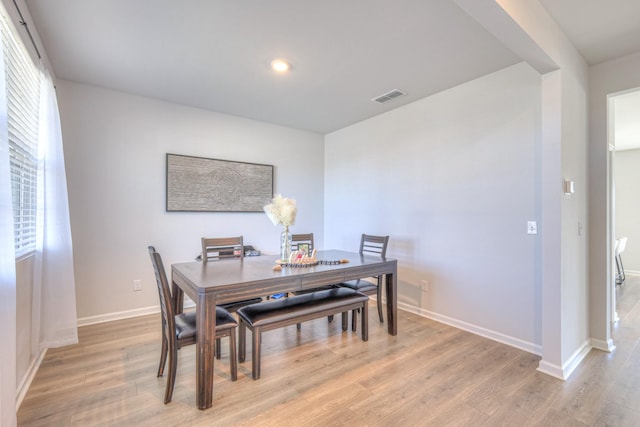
223,281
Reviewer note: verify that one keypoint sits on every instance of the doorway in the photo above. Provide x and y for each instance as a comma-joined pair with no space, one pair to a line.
624,140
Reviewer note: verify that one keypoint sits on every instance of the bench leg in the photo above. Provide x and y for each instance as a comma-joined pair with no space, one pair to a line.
255,361
365,322
345,320
242,344
354,320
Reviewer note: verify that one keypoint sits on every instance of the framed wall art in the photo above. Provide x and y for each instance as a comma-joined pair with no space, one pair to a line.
198,184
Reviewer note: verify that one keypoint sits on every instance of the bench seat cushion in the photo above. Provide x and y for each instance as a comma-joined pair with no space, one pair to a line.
186,322
299,305
360,285
232,307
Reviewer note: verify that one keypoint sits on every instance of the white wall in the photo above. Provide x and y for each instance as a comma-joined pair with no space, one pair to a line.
528,29
575,282
453,179
627,206
115,146
565,286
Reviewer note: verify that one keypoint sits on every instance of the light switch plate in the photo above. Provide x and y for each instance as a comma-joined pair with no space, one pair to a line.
532,227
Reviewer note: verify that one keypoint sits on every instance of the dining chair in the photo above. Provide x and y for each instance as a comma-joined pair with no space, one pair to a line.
298,242
220,248
305,242
302,242
620,247
369,245
216,248
179,330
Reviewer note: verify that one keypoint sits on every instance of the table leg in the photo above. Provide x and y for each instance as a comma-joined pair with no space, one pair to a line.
391,288
178,298
205,349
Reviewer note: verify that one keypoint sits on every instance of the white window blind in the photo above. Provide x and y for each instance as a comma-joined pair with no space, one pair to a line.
23,94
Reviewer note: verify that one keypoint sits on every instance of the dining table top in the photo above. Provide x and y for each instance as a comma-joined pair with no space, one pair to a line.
227,277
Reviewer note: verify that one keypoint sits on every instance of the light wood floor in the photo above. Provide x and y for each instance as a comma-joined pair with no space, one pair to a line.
430,374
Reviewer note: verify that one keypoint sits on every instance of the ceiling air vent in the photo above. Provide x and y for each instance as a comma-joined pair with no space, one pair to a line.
393,94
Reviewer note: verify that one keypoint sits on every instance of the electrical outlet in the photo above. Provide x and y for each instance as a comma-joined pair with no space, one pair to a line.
532,227
424,285
137,285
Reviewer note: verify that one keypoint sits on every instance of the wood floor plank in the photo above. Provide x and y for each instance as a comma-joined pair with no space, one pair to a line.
491,394
109,413
556,418
529,403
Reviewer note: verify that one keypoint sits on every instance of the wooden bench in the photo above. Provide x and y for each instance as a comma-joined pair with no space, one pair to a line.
270,315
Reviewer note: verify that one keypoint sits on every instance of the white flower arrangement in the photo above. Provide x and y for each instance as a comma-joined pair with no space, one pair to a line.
282,210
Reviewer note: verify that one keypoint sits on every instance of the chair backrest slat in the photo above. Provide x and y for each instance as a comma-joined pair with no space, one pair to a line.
298,241
164,292
222,247
374,245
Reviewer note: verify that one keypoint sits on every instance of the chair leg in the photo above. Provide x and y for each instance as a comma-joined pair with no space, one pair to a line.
354,320
171,377
345,320
218,349
242,344
255,361
163,355
621,275
233,359
379,301
299,326
365,322
330,318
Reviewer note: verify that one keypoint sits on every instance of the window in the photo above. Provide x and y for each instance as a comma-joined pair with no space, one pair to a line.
23,98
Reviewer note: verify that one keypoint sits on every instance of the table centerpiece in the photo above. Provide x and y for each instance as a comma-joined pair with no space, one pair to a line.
282,211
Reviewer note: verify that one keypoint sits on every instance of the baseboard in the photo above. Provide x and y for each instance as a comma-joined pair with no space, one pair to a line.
24,385
602,345
563,372
570,365
551,369
118,315
474,329
127,314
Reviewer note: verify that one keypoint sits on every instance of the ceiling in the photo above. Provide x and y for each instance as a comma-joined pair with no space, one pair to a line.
214,54
600,29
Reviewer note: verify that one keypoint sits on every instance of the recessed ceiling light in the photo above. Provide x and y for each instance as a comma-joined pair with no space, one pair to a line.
280,66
